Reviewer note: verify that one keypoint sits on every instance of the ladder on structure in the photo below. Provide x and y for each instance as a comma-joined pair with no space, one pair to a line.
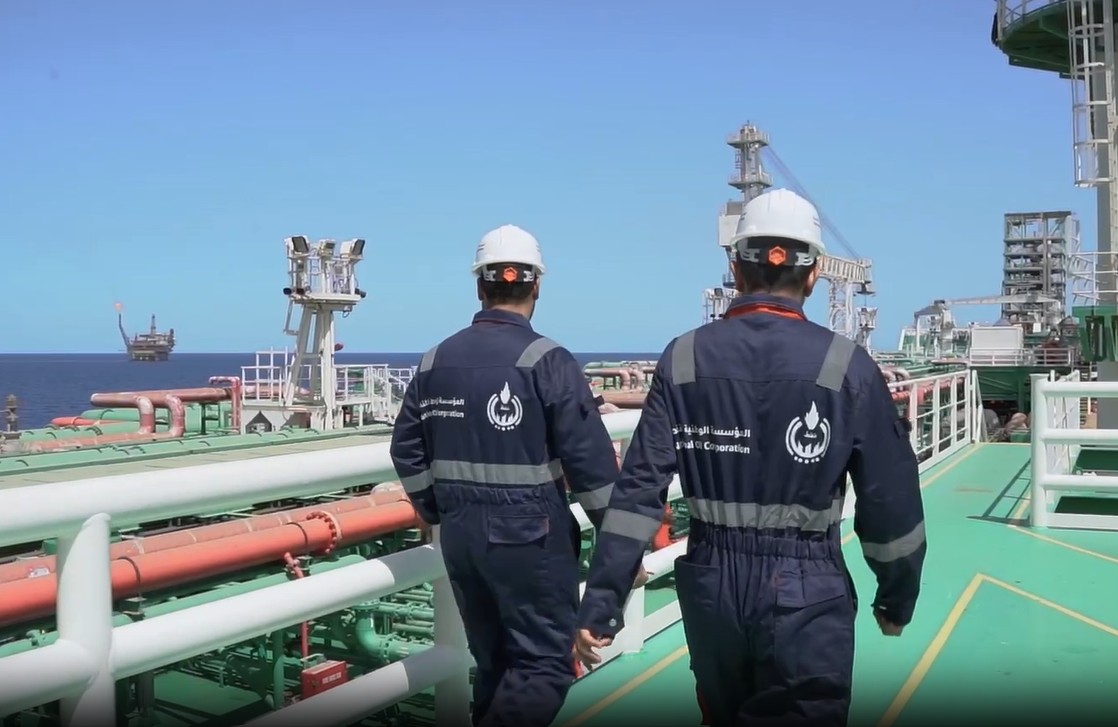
1095,123
1091,46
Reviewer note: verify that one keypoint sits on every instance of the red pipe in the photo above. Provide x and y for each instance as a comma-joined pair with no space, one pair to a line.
199,395
663,537
234,395
624,374
624,399
384,494
304,632
922,393
146,432
146,408
35,598
62,422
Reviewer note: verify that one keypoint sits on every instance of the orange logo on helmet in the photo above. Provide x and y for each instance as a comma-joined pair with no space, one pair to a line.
510,275
777,256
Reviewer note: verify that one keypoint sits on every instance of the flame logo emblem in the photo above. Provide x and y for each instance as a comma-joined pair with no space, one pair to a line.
808,437
504,409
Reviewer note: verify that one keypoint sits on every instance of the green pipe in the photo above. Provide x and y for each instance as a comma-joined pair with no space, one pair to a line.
278,681
35,639
415,629
229,590
48,435
384,648
403,610
174,448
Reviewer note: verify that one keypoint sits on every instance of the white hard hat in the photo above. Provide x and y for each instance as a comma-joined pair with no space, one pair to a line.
508,244
780,213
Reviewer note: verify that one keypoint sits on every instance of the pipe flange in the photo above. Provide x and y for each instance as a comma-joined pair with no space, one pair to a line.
333,524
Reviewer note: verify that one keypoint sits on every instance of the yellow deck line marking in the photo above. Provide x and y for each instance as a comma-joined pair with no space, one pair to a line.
931,654
939,473
1082,618
1019,513
628,687
1062,544
952,621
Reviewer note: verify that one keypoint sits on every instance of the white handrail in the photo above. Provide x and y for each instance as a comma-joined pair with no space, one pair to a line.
1057,439
81,666
944,413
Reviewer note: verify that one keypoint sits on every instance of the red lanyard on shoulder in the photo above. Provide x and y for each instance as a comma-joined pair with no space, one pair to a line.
775,310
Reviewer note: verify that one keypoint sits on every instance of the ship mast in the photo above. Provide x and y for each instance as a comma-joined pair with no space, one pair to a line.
845,277
322,283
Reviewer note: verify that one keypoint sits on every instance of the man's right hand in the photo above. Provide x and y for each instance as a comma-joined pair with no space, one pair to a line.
586,646
887,628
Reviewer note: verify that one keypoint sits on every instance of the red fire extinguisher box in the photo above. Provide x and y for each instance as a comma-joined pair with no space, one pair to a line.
320,677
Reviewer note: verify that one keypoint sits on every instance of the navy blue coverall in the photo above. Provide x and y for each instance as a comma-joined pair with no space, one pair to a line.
762,415
494,418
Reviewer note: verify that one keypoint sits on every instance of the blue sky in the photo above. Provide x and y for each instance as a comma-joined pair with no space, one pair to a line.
158,153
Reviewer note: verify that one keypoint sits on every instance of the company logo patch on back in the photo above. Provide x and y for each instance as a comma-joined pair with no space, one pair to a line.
808,437
504,409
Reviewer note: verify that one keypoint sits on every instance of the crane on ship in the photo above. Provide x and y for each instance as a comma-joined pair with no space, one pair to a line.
934,332
846,277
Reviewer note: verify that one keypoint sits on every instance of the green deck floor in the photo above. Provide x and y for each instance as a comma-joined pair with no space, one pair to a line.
1013,626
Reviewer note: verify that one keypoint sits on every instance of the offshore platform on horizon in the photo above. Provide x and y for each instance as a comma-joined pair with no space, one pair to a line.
155,345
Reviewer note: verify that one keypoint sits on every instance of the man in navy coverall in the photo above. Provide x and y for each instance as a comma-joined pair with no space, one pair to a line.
763,414
494,418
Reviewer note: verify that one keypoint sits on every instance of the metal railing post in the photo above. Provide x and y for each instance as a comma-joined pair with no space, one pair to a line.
955,381
85,617
913,419
968,406
937,419
452,696
1038,510
632,636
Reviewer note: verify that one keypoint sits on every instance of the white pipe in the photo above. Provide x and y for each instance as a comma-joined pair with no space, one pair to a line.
85,618
662,562
373,692
1074,436
1105,389
452,693
42,511
156,642
43,674
1086,483
38,511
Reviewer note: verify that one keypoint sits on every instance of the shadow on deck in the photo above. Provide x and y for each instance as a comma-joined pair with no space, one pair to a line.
1012,625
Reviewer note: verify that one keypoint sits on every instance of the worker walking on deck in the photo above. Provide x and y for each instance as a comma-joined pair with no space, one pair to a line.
763,414
495,416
